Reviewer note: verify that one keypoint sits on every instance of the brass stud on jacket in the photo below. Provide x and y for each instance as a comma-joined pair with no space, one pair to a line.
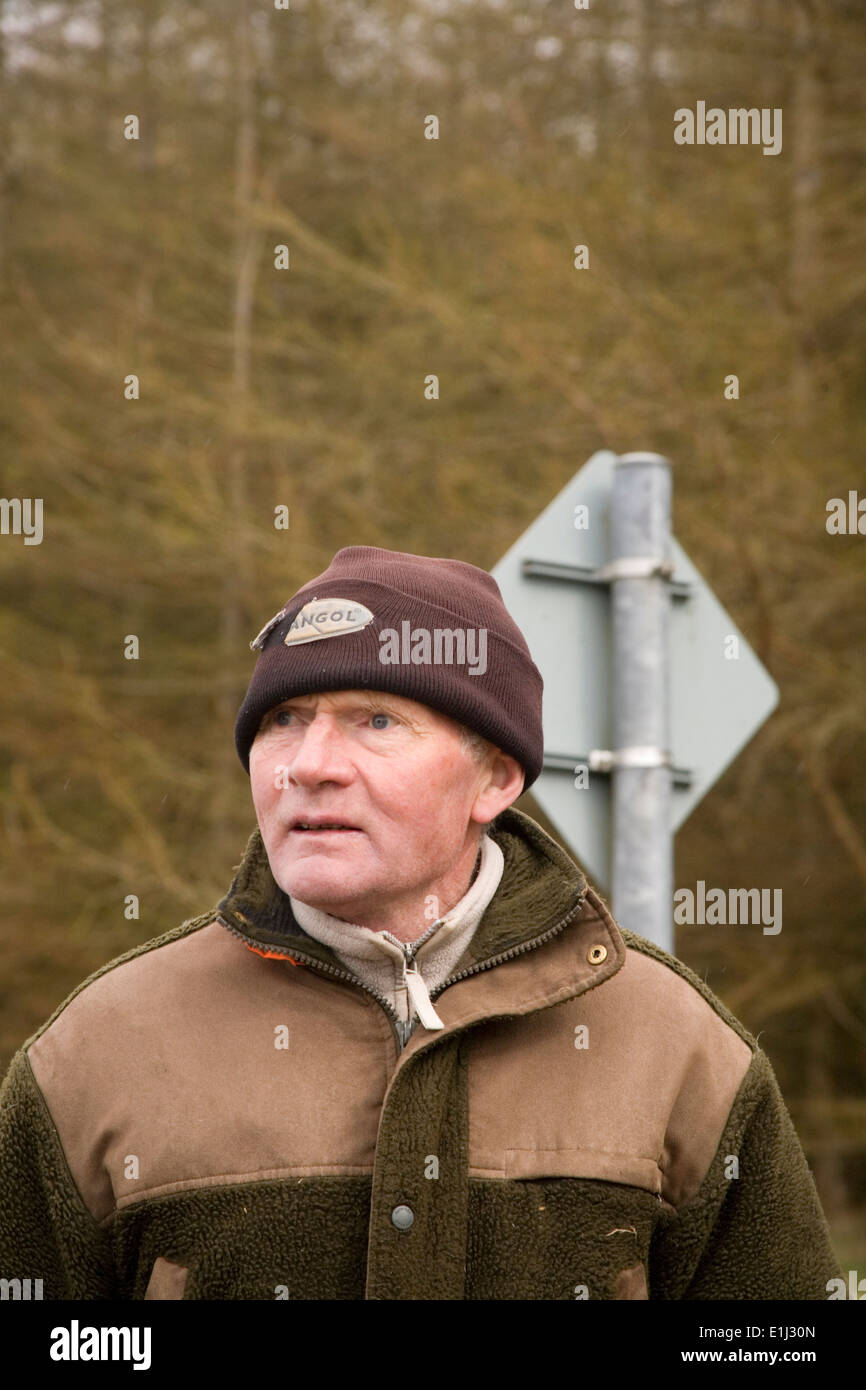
596,954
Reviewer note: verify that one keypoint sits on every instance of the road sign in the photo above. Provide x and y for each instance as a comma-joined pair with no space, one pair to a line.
720,693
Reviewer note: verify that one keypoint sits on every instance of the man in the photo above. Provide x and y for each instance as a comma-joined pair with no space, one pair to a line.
410,1055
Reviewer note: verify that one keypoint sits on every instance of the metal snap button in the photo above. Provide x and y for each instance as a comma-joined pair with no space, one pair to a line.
596,954
403,1217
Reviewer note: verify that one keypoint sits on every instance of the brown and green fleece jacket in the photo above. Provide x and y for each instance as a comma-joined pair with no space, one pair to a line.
225,1112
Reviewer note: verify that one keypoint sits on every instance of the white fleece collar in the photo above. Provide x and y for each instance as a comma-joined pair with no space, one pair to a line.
379,960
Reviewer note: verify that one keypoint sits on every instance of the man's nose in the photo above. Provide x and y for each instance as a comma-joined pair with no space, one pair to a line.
320,754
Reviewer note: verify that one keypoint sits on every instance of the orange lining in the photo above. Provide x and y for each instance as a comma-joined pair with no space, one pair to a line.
272,955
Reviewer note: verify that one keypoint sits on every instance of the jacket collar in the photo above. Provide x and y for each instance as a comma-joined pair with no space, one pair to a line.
541,891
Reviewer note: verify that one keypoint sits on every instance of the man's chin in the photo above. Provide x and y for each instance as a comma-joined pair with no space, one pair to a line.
319,883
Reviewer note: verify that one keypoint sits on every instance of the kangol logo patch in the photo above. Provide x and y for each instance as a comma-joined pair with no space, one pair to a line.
327,617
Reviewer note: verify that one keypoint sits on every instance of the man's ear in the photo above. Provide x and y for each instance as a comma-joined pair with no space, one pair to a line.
502,784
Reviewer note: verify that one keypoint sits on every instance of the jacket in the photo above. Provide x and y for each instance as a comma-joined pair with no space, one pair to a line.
226,1112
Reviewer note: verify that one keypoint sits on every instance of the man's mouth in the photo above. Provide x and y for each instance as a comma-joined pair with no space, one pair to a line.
322,827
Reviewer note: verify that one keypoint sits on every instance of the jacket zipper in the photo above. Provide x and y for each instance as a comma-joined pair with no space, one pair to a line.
337,974
403,1031
515,951
413,980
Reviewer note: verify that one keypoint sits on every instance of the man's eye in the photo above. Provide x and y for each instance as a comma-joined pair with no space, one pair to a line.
283,714
373,717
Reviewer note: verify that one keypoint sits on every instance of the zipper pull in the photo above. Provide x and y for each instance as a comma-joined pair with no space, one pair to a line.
420,998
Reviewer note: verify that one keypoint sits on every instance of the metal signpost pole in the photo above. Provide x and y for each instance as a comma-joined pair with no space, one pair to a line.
640,572
597,619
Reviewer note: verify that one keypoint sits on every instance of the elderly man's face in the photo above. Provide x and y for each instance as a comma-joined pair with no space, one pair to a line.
397,776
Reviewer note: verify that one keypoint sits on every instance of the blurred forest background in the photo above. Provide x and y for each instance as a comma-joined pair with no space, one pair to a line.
304,387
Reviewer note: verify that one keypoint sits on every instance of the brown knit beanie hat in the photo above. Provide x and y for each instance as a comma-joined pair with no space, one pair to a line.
432,630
